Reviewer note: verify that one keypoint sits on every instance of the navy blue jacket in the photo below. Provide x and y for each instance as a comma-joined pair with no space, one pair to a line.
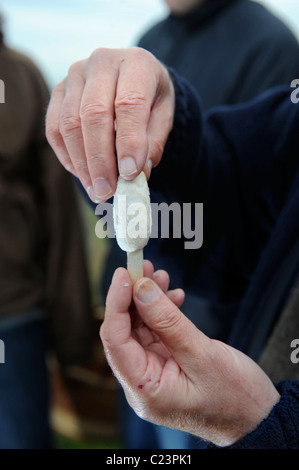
242,163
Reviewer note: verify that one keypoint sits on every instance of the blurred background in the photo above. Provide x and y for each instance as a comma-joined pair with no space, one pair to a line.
55,34
58,32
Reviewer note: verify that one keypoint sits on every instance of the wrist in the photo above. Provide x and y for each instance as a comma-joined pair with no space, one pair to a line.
252,420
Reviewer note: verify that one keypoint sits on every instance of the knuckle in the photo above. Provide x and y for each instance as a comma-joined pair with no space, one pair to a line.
94,113
107,340
81,166
96,159
131,139
170,323
157,149
138,53
98,54
128,100
69,125
59,88
75,68
52,134
169,319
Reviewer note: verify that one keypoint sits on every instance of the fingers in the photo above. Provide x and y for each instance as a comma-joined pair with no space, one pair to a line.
118,301
123,346
161,278
161,120
121,349
135,95
148,269
144,108
97,119
80,125
158,312
52,128
112,113
70,125
177,296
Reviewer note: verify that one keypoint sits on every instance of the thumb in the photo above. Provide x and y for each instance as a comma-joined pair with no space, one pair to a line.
177,332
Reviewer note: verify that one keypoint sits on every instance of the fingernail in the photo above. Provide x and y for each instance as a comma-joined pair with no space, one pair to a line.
127,167
147,291
91,194
102,188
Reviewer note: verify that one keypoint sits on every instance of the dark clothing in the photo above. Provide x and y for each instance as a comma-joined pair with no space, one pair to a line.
230,50
42,259
242,164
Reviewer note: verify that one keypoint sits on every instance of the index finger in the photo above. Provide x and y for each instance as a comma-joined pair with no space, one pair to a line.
125,355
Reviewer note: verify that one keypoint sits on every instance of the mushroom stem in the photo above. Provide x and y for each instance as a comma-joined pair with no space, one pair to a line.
135,264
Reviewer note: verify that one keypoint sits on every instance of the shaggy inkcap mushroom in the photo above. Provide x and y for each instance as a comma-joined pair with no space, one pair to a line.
132,221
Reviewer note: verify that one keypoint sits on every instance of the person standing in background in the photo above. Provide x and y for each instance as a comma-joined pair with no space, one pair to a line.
230,51
45,301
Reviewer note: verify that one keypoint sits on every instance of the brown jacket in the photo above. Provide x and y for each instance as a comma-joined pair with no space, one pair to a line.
42,260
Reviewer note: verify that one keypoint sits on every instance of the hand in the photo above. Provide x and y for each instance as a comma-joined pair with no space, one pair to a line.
174,375
117,102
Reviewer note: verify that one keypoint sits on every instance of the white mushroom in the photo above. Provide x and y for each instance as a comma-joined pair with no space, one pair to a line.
132,221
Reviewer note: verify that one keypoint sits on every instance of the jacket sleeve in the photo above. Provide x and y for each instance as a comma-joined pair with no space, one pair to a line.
280,430
240,163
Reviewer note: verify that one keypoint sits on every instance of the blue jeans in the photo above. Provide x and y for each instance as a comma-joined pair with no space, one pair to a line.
24,390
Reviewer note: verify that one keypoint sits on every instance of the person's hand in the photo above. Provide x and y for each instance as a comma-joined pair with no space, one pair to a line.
174,375
113,111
